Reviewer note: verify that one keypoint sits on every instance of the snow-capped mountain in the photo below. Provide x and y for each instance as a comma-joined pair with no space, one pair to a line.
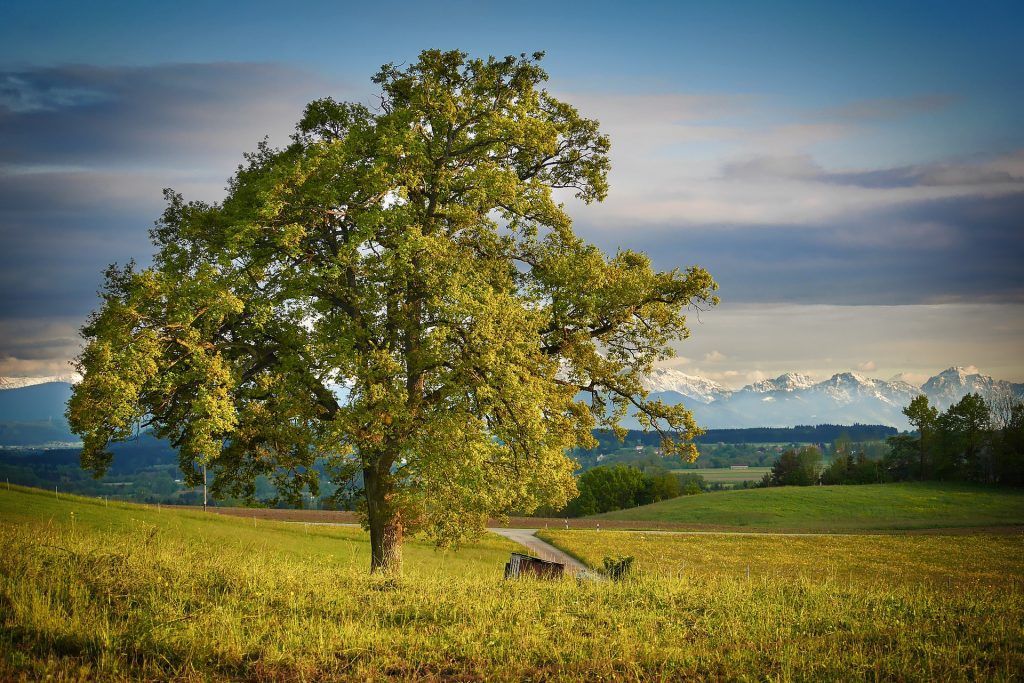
949,386
793,398
690,386
791,381
785,401
21,382
849,387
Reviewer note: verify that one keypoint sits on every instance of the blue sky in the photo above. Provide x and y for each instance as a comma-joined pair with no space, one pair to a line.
851,173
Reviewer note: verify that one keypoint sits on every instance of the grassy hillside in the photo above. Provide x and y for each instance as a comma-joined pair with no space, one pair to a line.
725,475
839,508
89,592
336,545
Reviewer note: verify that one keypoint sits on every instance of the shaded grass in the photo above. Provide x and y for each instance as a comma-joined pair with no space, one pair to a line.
840,508
112,599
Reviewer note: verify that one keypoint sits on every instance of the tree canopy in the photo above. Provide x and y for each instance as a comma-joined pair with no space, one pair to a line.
796,468
399,292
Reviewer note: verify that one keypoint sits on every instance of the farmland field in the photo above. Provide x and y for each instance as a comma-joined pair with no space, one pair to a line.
876,507
725,475
90,592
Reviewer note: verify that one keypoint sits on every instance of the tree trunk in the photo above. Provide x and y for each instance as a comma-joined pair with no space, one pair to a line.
921,471
386,529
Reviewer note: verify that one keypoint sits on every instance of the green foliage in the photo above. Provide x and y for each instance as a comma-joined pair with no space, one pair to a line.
963,433
662,485
851,463
618,568
973,440
925,419
1008,448
416,256
607,488
797,468
692,488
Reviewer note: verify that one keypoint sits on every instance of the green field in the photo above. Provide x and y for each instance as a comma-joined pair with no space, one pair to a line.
991,561
91,592
725,475
839,508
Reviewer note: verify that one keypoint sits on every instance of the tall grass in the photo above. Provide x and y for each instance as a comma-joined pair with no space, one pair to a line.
945,563
118,600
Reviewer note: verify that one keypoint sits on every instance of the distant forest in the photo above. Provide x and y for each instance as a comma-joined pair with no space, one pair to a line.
826,433
145,469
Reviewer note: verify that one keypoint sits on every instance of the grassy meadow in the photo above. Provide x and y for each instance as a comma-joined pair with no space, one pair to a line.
991,562
122,592
726,475
872,507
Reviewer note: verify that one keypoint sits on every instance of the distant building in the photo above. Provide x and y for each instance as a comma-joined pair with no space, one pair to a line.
738,467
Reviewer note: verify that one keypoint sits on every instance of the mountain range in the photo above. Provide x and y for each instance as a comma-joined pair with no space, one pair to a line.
794,399
32,409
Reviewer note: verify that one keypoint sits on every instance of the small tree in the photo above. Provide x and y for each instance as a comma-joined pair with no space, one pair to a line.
963,435
659,485
925,419
399,293
903,458
607,488
797,468
1009,447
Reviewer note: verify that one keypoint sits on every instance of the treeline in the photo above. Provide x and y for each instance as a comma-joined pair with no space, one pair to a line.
850,464
825,433
617,487
973,440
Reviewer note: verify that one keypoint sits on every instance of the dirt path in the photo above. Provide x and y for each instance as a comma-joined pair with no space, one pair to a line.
545,551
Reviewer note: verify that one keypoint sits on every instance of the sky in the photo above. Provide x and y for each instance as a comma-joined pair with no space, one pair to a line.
852,174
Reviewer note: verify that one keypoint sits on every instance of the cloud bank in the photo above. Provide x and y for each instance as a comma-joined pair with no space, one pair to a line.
736,183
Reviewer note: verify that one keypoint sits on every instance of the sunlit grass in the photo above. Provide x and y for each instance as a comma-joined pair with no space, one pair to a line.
948,562
130,593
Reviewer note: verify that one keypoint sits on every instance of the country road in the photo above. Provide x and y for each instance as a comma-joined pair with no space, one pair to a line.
542,549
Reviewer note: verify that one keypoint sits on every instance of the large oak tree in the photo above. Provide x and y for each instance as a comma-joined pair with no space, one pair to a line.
397,293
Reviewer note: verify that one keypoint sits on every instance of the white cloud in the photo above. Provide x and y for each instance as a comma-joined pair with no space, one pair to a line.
695,159
763,341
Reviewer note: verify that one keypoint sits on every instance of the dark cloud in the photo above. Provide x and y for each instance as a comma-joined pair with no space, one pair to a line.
162,115
37,349
22,94
959,249
885,108
927,175
804,168
86,151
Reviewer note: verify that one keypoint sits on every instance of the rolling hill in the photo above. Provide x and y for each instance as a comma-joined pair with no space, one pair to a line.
875,507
